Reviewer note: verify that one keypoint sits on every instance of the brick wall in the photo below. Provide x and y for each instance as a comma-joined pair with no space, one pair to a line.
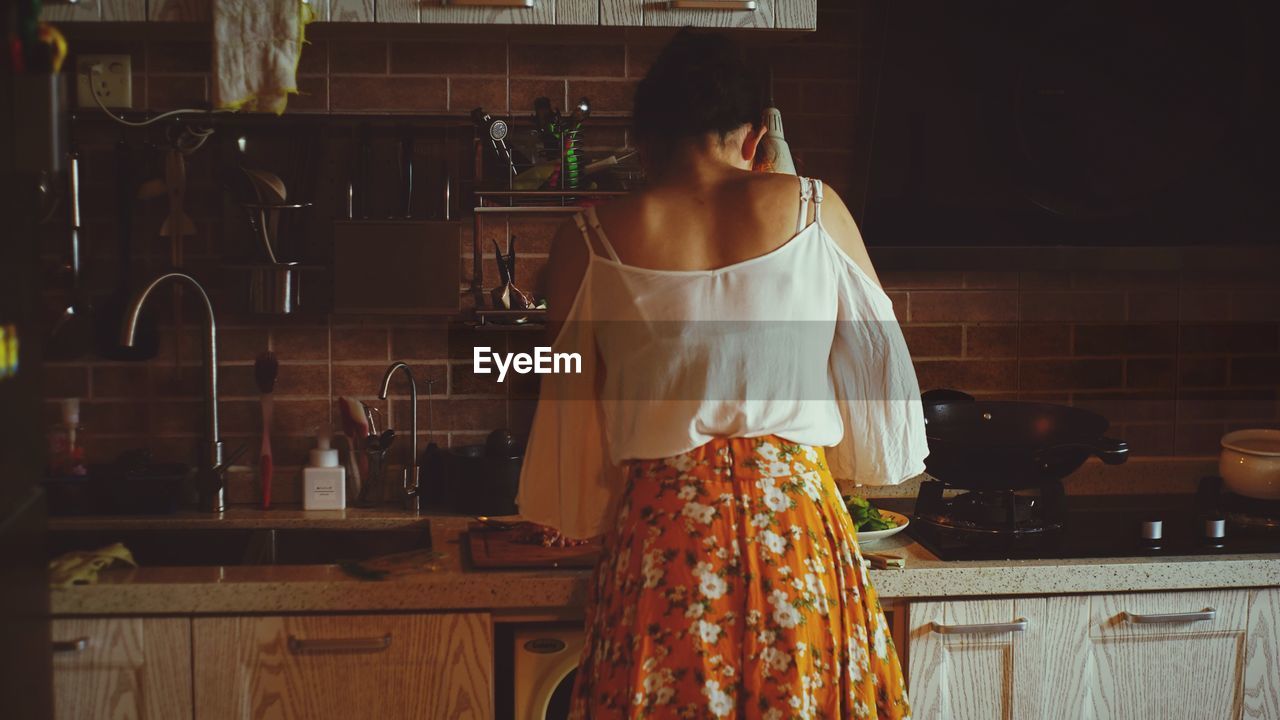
1174,359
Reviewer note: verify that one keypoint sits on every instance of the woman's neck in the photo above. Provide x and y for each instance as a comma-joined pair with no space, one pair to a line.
700,164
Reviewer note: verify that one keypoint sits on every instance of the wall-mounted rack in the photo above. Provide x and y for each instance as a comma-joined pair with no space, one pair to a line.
569,202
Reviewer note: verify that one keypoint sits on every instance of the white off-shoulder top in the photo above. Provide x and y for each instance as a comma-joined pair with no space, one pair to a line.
798,343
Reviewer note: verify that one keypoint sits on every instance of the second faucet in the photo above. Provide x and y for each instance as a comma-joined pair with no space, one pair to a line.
409,479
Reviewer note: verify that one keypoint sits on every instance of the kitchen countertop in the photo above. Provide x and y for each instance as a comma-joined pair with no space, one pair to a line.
248,518
454,586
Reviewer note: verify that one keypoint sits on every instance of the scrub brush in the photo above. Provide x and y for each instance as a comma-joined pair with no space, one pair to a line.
265,369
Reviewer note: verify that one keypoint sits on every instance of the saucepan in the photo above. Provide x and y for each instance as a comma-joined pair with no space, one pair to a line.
1002,445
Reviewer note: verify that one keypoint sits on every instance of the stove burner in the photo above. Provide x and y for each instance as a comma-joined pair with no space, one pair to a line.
1239,511
991,513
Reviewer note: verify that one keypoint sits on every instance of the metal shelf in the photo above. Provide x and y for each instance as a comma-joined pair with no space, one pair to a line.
477,254
527,209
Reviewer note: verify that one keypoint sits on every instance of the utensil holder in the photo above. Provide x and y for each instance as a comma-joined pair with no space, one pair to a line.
373,491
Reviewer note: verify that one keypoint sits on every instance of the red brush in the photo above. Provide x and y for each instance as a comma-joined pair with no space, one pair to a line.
265,369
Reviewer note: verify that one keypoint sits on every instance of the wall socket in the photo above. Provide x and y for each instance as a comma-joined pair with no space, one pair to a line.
113,81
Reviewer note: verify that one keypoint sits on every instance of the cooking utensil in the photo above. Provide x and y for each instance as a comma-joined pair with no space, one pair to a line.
72,332
507,296
988,445
265,370
270,190
365,163
406,175
176,226
355,430
268,185
369,416
110,313
1250,463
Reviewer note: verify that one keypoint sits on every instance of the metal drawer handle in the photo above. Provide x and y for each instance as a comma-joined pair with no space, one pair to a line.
1204,615
1018,625
80,644
519,4
737,5
298,646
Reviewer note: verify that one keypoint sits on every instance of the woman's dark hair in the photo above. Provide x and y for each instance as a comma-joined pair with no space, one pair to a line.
700,83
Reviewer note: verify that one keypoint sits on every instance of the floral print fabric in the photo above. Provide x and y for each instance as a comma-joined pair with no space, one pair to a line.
732,587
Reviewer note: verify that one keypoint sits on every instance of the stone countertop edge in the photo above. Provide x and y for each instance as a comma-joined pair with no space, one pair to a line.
454,587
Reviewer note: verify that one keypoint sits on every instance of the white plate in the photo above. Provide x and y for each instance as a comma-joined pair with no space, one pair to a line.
870,536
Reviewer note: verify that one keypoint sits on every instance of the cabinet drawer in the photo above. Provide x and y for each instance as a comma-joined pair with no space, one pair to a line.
339,667
1176,613
122,668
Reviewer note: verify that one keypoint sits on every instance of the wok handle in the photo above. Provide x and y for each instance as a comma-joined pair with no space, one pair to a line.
939,396
1109,450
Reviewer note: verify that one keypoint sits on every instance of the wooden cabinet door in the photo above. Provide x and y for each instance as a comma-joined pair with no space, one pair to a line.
390,667
117,668
494,12
976,659
1262,656
1134,656
89,10
725,14
795,14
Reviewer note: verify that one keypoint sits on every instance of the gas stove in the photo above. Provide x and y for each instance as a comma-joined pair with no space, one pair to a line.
1048,524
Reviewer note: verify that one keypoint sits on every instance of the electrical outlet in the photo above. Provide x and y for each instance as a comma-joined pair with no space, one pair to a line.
113,81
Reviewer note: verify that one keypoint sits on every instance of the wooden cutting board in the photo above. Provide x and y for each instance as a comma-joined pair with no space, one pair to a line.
493,548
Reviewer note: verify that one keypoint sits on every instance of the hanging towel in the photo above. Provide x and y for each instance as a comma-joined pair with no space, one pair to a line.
256,48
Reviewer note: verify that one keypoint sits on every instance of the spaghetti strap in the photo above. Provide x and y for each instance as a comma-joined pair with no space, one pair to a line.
817,201
806,189
604,239
586,236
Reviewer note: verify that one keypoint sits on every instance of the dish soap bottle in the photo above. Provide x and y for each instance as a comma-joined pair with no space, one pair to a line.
324,480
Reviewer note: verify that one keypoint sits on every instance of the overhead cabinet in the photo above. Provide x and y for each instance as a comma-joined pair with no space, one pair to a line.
490,12
763,14
766,14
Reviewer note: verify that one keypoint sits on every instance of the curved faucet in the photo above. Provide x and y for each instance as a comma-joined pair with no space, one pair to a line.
211,498
411,470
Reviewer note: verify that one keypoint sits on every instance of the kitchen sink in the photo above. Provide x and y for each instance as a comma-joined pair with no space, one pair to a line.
240,546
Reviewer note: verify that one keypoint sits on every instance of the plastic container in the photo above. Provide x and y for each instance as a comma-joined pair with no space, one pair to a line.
324,480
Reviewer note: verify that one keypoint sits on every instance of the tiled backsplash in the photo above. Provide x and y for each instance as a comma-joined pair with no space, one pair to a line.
1174,359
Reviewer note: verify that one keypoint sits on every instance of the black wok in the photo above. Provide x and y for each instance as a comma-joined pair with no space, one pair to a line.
1001,445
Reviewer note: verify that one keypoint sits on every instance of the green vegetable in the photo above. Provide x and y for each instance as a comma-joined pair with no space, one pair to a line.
866,518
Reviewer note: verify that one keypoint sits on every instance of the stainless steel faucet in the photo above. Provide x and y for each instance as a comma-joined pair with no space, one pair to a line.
210,485
411,475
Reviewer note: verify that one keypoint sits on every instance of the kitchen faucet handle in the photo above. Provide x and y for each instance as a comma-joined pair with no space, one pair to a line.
412,495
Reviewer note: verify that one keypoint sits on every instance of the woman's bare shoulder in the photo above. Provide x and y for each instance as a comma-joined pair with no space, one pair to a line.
839,223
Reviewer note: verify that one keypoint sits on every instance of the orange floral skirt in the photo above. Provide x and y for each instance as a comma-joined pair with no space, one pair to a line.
732,587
